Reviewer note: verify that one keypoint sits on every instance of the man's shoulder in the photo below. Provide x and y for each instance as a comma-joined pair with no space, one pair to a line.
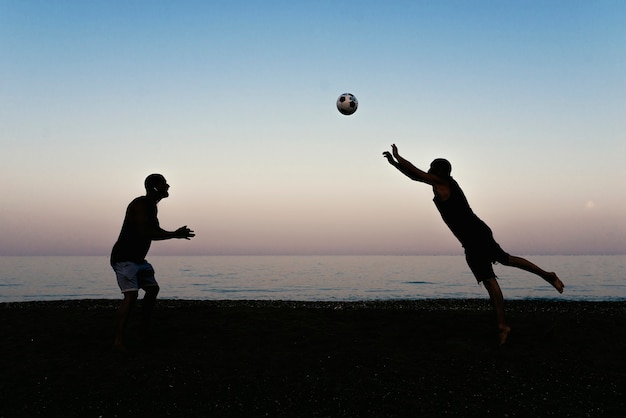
142,203
141,200
445,189
453,184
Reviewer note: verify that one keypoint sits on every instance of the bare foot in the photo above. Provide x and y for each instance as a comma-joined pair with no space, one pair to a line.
503,333
555,281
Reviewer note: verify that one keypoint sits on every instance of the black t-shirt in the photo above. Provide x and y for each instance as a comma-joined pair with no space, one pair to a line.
456,212
133,244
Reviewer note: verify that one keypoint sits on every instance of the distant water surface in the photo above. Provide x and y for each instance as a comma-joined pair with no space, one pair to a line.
310,278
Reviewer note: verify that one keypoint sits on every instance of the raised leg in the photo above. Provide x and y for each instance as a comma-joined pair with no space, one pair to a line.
550,277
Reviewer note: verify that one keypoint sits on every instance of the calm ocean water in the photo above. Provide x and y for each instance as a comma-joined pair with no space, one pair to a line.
310,278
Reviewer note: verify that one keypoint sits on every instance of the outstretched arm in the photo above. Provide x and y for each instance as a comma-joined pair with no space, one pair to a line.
408,169
182,232
148,224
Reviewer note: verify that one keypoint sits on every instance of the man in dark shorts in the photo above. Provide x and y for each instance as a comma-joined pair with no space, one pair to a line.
140,228
481,250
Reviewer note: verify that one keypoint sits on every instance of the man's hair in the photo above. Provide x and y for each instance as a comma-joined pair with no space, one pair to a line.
441,167
153,180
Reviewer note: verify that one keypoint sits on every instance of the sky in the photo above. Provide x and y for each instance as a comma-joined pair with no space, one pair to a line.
234,103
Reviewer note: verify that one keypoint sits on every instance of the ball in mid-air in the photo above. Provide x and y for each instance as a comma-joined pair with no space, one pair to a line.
347,104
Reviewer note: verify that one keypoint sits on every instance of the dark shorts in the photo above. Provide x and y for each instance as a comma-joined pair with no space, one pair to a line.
480,259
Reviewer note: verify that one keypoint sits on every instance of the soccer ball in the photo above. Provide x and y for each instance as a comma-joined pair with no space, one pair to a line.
347,104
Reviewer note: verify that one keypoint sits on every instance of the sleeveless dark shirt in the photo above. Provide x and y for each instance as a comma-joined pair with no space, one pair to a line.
131,244
456,212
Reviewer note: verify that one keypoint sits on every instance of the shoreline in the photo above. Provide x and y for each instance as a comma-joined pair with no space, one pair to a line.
479,304
434,357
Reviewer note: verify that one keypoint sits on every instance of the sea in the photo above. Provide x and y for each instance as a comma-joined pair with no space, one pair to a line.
311,278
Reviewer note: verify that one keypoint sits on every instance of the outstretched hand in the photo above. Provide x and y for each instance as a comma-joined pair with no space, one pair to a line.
390,155
184,232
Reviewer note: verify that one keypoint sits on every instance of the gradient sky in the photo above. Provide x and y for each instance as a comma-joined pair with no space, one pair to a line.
234,102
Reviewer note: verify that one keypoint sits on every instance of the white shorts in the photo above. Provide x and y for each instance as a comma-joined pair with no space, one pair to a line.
134,276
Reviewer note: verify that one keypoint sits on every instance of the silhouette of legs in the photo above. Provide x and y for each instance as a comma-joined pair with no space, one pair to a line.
497,301
125,309
123,313
147,305
495,293
522,263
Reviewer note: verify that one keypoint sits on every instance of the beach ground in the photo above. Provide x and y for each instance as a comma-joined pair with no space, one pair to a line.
425,358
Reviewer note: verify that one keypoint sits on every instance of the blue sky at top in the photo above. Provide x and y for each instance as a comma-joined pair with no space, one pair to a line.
234,102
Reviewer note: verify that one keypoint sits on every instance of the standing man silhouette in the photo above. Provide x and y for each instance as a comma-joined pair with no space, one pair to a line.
140,228
481,250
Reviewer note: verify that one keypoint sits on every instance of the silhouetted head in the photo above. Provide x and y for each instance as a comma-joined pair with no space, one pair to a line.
441,168
156,186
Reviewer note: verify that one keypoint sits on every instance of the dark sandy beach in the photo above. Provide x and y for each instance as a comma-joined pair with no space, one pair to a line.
320,359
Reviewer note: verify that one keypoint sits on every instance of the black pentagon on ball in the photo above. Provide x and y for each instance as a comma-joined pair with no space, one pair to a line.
342,99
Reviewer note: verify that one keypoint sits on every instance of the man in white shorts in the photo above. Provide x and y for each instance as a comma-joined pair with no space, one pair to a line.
140,228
